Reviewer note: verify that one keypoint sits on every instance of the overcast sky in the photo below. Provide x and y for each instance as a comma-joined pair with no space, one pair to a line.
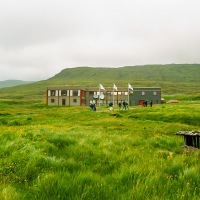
39,38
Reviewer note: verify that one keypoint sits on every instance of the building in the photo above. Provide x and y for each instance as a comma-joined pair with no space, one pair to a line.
83,96
145,93
65,96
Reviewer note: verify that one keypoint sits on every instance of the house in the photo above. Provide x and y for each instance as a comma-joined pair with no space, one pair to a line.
145,93
83,96
65,96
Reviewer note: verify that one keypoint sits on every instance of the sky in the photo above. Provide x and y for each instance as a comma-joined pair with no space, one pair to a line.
39,38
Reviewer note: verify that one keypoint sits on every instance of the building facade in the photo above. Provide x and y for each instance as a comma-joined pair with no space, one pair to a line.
145,94
83,96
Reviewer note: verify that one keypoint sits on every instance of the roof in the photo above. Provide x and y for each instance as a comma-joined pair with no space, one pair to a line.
189,133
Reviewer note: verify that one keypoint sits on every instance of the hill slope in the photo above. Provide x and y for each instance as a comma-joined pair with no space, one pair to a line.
171,73
11,83
173,79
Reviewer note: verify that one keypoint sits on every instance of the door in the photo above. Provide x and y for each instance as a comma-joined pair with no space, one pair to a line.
63,102
141,102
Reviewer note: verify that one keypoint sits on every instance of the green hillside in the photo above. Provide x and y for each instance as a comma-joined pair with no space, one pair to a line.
159,73
11,83
174,79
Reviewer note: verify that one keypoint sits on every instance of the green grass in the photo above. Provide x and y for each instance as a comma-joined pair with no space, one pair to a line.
73,153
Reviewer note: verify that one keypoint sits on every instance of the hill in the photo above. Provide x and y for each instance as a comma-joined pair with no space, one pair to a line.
159,73
174,79
11,83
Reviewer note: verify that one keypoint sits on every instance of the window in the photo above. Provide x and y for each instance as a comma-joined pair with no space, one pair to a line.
63,92
99,93
154,93
53,92
75,92
111,93
52,100
124,93
74,100
143,94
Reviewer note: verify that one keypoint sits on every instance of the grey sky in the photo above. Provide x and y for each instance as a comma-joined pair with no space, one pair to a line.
39,38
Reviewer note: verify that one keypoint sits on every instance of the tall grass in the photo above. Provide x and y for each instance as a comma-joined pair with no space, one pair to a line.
73,153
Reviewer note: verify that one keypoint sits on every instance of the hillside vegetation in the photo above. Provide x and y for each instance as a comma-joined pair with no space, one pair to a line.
159,73
10,83
174,79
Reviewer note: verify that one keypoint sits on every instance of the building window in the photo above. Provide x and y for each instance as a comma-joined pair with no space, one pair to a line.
154,93
63,92
100,93
52,100
143,93
75,92
53,92
131,91
74,100
112,93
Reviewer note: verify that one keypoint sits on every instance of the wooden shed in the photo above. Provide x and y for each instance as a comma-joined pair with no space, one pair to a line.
191,138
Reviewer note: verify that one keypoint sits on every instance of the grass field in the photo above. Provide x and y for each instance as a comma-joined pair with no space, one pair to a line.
73,153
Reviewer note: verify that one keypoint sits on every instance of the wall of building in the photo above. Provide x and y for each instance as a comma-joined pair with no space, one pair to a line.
104,97
78,96
142,94
65,96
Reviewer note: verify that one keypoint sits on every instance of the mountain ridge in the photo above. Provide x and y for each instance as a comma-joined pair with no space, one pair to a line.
173,79
171,72
13,82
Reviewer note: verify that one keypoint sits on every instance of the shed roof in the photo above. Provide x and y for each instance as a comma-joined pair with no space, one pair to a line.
189,133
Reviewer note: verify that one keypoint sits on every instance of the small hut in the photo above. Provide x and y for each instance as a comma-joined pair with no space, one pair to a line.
191,138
